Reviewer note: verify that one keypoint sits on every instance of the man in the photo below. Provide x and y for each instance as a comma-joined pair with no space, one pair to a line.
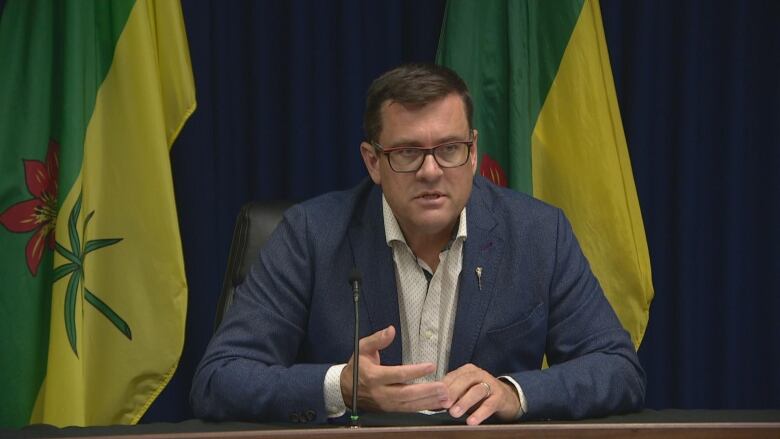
466,287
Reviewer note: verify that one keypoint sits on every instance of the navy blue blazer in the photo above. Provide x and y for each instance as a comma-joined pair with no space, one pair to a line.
292,317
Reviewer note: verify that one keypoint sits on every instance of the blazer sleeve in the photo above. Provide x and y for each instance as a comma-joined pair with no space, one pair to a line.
594,369
249,370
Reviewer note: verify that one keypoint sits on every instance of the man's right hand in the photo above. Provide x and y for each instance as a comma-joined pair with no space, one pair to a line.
384,388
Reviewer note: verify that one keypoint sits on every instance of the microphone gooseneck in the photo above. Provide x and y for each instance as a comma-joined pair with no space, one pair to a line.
354,282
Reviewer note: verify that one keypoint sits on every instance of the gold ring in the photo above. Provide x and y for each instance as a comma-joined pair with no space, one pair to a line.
488,390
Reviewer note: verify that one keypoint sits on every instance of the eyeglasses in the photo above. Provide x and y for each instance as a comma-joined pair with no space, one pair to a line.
410,159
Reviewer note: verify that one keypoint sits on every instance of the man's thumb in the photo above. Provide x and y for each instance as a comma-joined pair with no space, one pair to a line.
377,341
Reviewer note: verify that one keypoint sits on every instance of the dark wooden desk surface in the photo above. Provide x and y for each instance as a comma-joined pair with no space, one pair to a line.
665,424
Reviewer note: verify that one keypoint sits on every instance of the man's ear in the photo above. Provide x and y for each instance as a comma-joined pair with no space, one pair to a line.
371,159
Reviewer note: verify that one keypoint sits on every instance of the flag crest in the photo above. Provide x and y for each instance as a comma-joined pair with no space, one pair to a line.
102,295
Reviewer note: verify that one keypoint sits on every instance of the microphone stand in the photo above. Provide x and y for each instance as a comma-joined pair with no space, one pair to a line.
355,281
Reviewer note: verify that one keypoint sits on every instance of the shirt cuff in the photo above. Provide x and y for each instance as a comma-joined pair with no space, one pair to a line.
334,402
520,394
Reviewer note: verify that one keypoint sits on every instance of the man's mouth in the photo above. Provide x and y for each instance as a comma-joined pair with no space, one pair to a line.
430,195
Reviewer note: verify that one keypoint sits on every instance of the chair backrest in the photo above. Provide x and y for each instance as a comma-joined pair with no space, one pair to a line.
254,225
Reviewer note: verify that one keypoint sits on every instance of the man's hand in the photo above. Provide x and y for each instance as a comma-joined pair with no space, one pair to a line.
383,388
471,388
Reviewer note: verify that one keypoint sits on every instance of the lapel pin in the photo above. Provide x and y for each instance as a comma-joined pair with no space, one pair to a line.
479,277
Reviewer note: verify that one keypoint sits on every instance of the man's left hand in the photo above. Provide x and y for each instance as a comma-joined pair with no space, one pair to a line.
473,389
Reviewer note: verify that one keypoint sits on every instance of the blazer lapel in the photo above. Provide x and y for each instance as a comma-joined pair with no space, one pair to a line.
374,260
481,253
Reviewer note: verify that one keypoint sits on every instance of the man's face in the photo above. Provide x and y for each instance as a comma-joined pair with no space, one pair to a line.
427,201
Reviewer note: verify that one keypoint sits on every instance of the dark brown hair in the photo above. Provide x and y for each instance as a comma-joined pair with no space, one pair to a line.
413,85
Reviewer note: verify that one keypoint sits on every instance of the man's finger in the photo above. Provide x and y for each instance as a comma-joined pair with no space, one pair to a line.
488,407
475,393
460,380
415,392
402,374
415,397
431,402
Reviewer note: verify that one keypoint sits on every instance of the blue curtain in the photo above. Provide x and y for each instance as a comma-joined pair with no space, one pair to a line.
280,92
699,91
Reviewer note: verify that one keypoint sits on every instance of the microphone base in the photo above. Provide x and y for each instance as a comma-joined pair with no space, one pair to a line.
354,422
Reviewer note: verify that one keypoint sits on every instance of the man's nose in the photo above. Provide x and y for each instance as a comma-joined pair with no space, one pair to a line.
430,168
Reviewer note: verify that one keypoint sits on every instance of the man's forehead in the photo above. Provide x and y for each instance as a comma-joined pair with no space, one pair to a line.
412,124
406,109
414,106
408,106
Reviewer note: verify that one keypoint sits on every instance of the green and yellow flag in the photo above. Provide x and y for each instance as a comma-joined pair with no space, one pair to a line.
549,125
93,294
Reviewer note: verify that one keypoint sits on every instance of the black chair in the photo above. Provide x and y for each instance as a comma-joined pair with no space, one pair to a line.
254,225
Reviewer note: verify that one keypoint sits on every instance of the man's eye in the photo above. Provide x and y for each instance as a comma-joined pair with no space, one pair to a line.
408,152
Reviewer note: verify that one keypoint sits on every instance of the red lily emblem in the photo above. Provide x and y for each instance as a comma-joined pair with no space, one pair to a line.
38,214
493,171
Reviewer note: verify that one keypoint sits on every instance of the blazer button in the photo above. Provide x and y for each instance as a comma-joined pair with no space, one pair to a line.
310,415
295,417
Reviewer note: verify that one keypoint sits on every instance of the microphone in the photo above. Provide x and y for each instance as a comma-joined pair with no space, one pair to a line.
354,282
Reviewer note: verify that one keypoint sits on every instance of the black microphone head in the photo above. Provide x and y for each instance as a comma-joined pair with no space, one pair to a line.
354,277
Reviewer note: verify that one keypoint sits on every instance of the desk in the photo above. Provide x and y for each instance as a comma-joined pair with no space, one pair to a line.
664,424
